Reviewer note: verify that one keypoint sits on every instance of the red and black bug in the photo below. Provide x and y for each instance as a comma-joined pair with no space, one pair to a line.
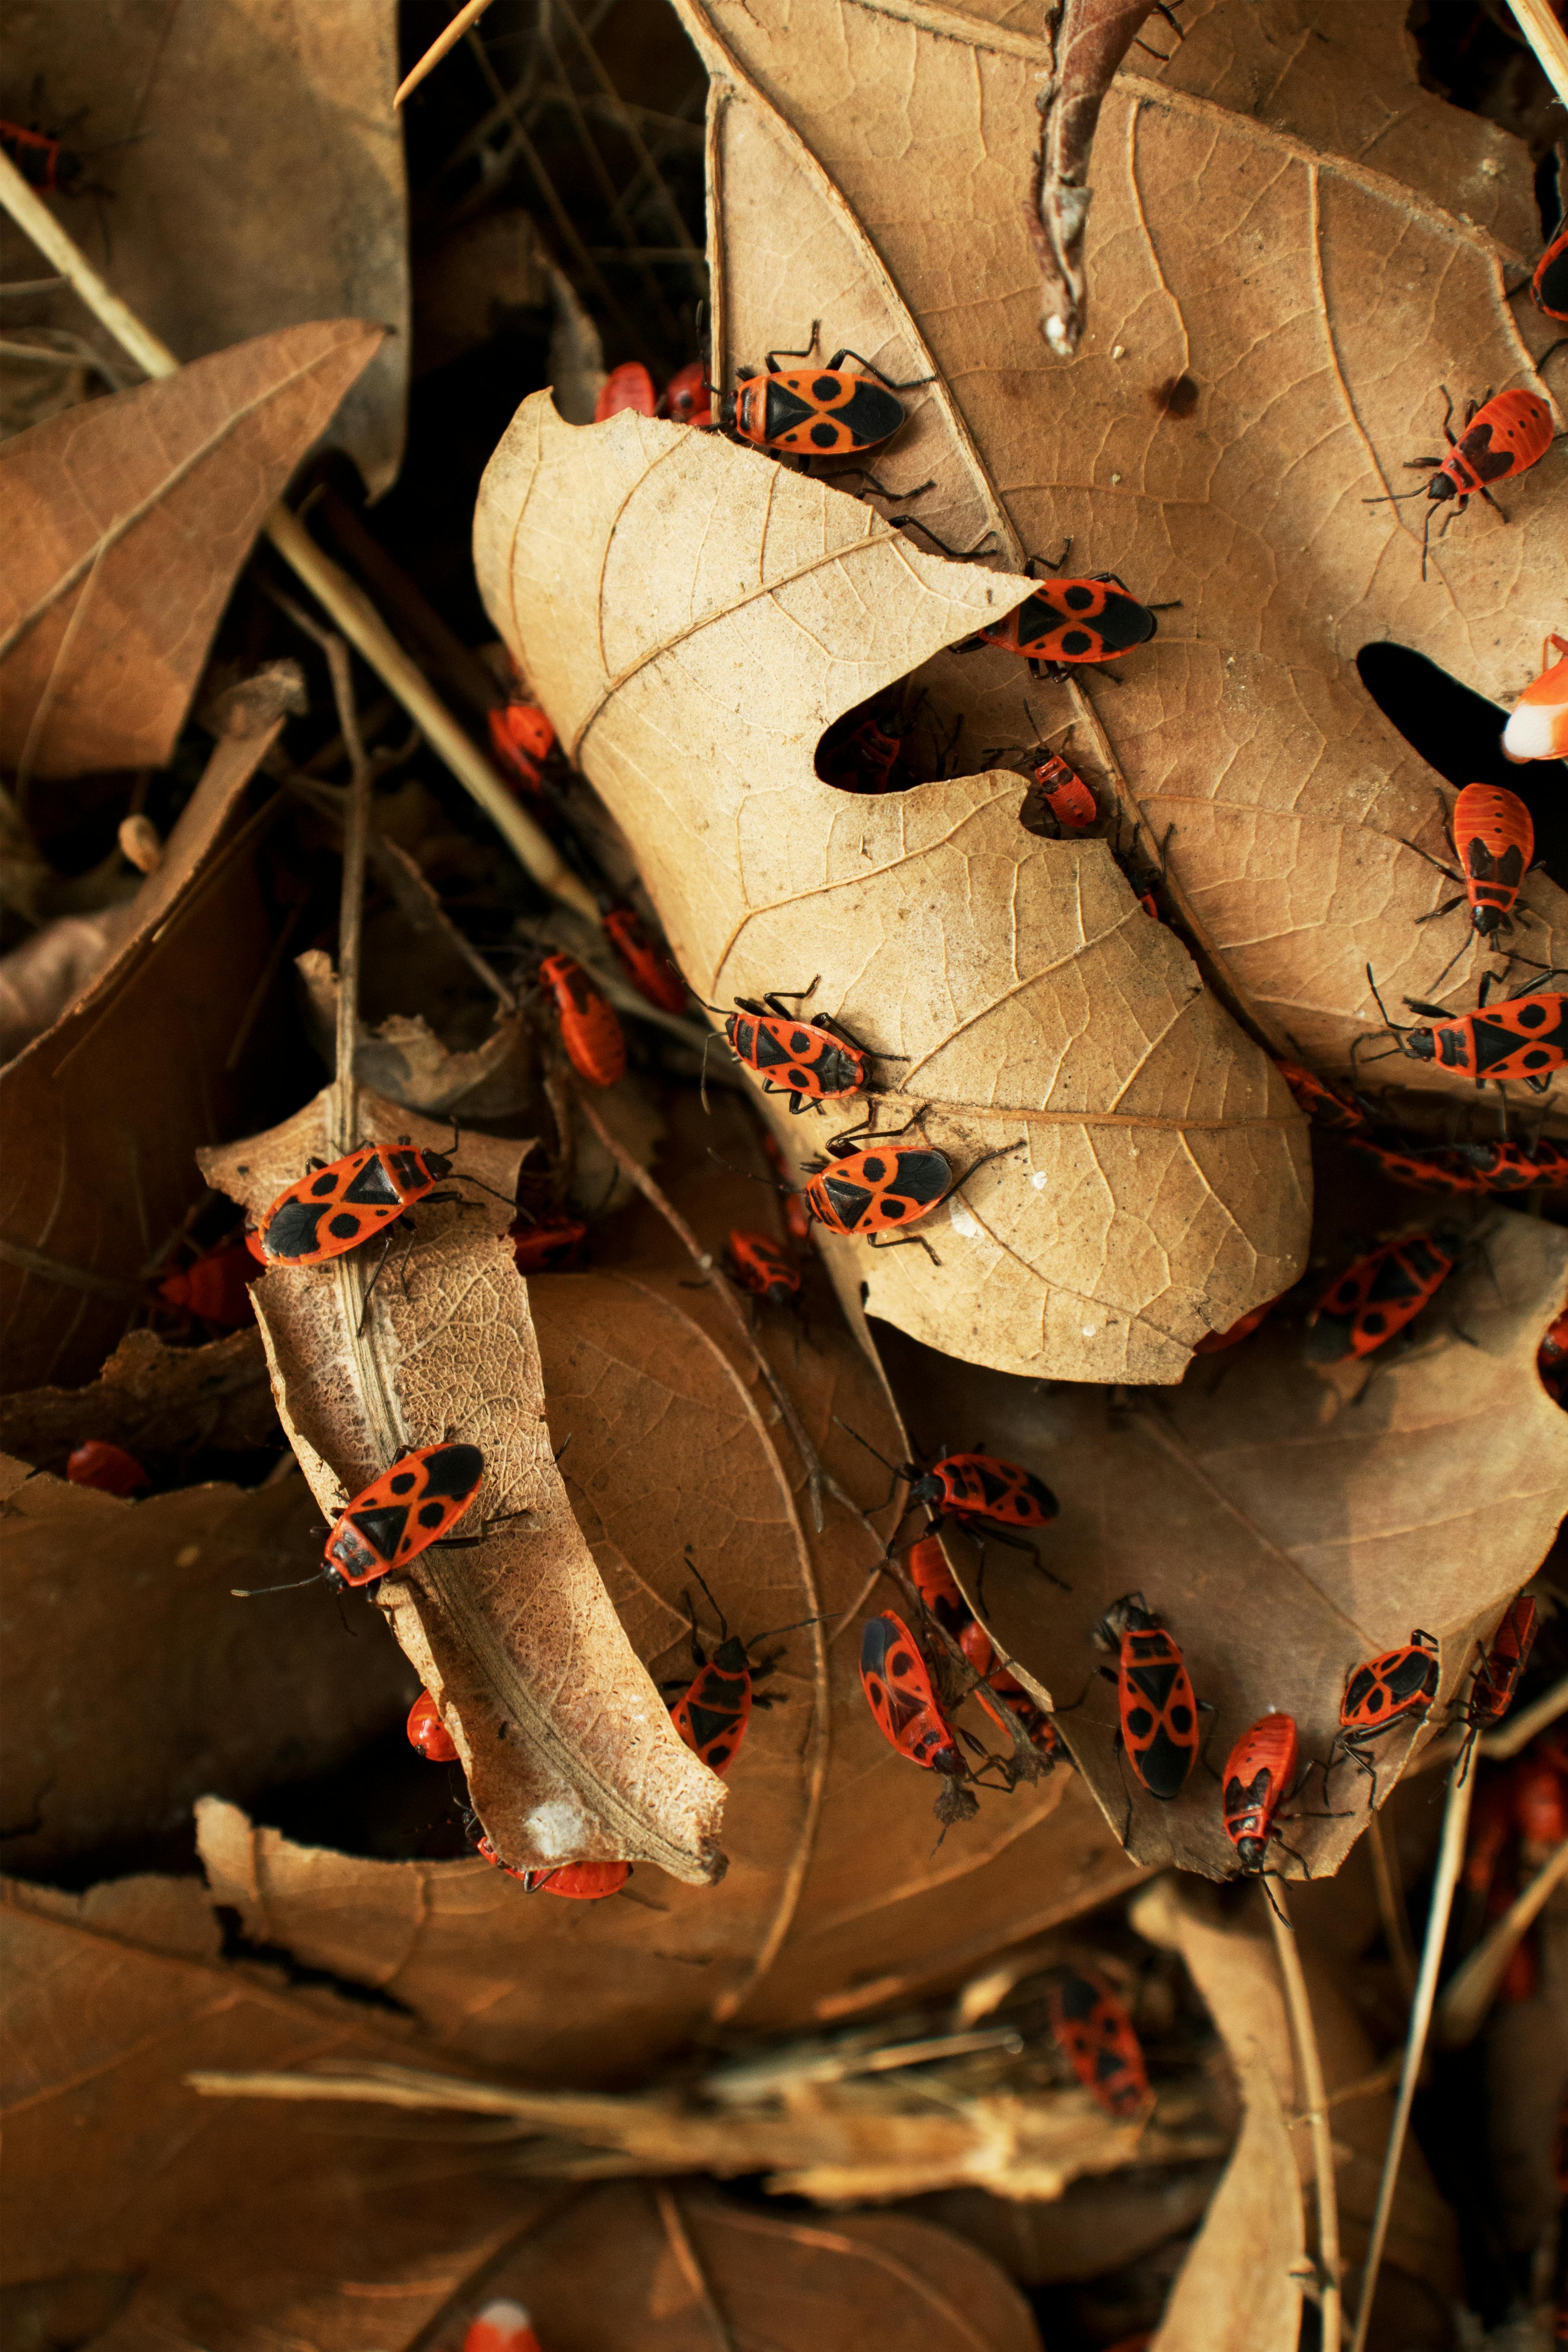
1386,1690
96,1463
1424,1172
1378,1295
1504,1166
862,751
645,962
215,1287
812,1062
686,397
1158,1726
589,1029
1494,840
1325,1104
1215,1343
429,1734
757,1262
980,1494
1067,623
1524,1037
999,1687
814,412
335,1206
872,1193
897,1685
1552,1358
712,1713
1060,792
551,1245
1093,2031
1502,436
1498,1673
1549,283
521,738
1255,1783
401,1514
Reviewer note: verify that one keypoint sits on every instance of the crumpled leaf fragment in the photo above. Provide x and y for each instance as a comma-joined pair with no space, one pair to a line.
1152,1178
569,1752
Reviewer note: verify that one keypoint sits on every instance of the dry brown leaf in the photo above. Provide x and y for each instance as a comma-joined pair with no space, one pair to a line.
1236,2291
569,1752
48,972
1231,1959
254,173
163,1403
1262,358
1088,41
133,516
137,1683
1153,1178
1283,1531
102,1113
403,1059
1100,2223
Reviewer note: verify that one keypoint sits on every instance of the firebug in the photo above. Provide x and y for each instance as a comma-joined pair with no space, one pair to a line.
1255,1783
589,1029
1094,2032
1364,1306
1502,436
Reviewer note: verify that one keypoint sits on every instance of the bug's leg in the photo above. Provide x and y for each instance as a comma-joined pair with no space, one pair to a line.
782,354
777,998
915,383
954,554
375,1277
1438,913
1448,413
1049,562
908,1241
1492,503
881,487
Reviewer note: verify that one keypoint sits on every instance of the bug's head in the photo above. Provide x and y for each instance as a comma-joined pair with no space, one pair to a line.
1441,486
438,1163
1252,1851
949,1763
1421,1045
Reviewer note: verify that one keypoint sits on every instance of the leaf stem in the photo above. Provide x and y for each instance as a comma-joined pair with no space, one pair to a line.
447,39
1315,2112
1450,1855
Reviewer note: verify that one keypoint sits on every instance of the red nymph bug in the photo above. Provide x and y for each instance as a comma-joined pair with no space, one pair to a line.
581,1881
335,1206
644,960
979,1493
215,1287
429,1734
869,1194
1388,1689
1538,724
1504,1166
626,386
1427,1172
38,158
813,1061
1502,436
897,1685
501,2327
814,412
1525,1036
521,738
1552,1358
1325,1104
552,1244
1255,1783
860,751
935,1581
1158,1715
1376,1296
410,1507
1549,283
712,1713
1215,1343
1497,1672
758,1264
1094,2034
109,1469
1494,840
1061,790
589,1029
686,395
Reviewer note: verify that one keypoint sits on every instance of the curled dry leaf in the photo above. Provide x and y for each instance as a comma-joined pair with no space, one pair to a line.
1239,2287
569,1752
1088,41
1283,1531
694,618
834,1901
1264,357
403,1059
163,1404
138,1683
101,1123
105,622
261,151
44,975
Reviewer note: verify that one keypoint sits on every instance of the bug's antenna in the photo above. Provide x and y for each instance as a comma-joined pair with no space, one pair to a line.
870,1448
1396,1028
257,1592
702,1581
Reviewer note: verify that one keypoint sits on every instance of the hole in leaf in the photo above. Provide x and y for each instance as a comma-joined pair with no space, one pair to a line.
1460,734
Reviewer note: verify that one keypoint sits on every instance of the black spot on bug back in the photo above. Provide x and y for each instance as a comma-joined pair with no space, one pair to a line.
401,1484
707,1726
430,1515
874,1169
1077,596
294,1231
1163,1767
1077,640
871,413
847,1202
824,436
1078,1999
373,1188
1177,396
343,1228
782,410
381,1527
825,388
454,1471
324,1186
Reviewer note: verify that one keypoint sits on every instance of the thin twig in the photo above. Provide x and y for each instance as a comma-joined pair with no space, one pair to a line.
350,917
1472,1989
1450,1856
347,604
691,2268
1391,1903
816,1478
1316,2112
470,13
1543,28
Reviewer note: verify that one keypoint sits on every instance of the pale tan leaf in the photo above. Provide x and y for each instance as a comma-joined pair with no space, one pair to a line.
403,1060
1265,354
1284,1532
1239,2289
101,1113
132,518
569,1751
254,171
1153,1177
